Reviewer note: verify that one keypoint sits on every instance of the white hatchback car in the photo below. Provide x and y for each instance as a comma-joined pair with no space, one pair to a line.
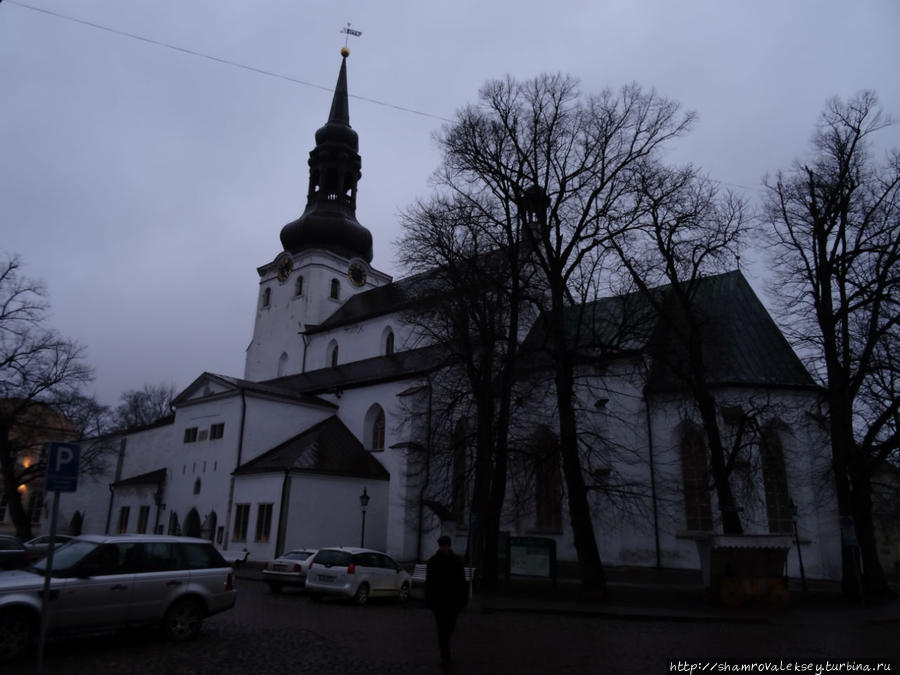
115,581
356,573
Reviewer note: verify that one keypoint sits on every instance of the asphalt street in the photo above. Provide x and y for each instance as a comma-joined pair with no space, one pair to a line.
270,634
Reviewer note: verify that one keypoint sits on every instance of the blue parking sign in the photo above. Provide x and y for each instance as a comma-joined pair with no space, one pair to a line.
62,467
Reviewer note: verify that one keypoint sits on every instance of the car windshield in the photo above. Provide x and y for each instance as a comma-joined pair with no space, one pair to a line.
67,556
333,558
297,555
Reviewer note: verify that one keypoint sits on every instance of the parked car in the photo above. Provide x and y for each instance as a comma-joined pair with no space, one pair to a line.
39,546
115,581
356,573
13,554
288,569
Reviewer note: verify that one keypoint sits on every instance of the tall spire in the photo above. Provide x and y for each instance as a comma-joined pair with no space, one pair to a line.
340,108
329,220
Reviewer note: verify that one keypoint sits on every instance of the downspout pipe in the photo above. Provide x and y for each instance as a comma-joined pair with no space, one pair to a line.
421,514
240,454
305,338
652,478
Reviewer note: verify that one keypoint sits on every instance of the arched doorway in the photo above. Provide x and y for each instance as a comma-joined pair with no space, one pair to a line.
192,524
76,523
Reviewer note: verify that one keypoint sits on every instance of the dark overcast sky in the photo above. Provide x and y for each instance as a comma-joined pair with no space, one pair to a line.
144,185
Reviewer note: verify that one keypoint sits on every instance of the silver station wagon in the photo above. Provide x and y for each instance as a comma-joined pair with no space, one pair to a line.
115,581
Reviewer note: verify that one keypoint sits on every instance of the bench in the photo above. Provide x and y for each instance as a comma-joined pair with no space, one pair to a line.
235,558
418,575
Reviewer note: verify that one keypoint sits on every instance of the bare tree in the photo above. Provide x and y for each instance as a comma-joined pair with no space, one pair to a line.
469,294
683,229
565,158
140,407
41,375
834,221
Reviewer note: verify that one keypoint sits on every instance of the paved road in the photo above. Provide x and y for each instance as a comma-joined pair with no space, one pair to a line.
281,634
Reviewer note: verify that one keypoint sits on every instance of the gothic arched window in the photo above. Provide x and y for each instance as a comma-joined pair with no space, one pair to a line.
389,342
267,297
695,480
547,482
298,287
778,500
375,424
332,355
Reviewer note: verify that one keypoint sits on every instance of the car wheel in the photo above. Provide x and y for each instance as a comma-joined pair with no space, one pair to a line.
362,594
403,593
183,620
16,633
275,586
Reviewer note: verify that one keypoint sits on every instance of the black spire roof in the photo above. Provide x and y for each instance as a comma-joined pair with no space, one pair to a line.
329,220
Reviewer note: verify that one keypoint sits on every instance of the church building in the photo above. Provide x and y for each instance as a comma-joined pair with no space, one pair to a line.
321,442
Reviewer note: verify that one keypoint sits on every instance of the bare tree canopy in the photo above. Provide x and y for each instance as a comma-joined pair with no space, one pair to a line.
41,376
834,224
551,169
683,229
140,407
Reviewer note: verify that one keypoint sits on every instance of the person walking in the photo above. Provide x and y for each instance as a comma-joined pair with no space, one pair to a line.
446,592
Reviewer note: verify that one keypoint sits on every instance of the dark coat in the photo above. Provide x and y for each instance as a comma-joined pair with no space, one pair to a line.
445,583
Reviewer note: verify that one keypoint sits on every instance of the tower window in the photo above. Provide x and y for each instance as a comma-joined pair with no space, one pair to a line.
389,343
298,287
332,354
267,297
375,428
335,289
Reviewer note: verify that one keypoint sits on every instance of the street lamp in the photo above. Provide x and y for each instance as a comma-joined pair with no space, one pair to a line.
363,503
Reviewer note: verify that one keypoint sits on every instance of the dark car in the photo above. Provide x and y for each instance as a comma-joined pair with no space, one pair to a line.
12,553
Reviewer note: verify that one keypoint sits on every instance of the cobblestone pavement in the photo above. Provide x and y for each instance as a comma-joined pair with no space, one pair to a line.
270,634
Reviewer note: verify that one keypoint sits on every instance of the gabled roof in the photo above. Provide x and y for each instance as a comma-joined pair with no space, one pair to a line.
742,344
149,478
387,299
399,365
234,384
326,448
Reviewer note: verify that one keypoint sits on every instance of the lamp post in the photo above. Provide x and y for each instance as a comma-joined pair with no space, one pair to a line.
363,503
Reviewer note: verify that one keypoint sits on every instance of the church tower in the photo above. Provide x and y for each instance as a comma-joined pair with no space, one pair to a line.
326,252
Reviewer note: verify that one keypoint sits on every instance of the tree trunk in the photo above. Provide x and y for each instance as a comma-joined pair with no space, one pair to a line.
589,564
875,583
731,519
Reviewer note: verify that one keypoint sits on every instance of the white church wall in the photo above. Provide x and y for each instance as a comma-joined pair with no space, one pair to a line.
325,511
278,325
355,404
254,490
269,422
91,498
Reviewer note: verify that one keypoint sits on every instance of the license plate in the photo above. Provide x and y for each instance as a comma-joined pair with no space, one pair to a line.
326,577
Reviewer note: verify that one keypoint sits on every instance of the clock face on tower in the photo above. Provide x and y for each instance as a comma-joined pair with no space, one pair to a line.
357,274
285,267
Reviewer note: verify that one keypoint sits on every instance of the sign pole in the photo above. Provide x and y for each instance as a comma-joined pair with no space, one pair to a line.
62,476
45,596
